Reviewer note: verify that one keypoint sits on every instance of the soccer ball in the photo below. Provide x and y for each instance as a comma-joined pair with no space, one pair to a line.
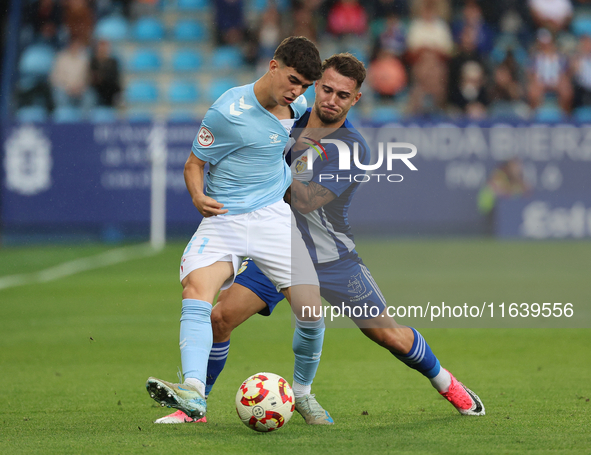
265,402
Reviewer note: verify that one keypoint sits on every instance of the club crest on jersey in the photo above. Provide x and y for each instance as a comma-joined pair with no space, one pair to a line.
300,165
205,137
242,267
274,138
356,284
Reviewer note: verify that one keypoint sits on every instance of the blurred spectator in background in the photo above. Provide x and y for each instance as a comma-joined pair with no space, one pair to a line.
45,16
581,69
79,20
429,32
472,19
428,91
263,37
548,73
140,8
554,15
505,85
386,74
430,44
229,21
104,74
304,18
347,17
506,181
392,37
380,9
270,32
471,97
510,17
442,8
70,77
467,51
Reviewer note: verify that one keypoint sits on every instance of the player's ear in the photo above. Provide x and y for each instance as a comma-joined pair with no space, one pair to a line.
273,66
356,99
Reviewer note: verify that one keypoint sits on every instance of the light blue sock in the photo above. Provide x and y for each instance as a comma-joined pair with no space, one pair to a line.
215,365
196,338
307,347
420,357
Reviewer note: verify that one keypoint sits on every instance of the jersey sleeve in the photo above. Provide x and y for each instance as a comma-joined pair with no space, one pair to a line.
217,137
299,106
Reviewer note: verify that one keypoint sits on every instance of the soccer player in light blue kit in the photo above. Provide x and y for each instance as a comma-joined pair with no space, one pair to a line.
321,205
242,138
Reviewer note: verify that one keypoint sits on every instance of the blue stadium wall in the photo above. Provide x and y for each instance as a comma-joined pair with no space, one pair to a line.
62,181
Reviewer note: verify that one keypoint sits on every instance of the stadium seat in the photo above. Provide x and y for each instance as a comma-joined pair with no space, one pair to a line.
31,114
182,92
226,57
141,91
67,114
259,6
503,111
148,29
581,25
103,114
582,114
192,5
138,116
181,117
219,86
189,30
187,60
145,60
111,28
36,60
549,113
504,44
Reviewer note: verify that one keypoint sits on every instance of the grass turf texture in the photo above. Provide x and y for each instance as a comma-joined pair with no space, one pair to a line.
75,354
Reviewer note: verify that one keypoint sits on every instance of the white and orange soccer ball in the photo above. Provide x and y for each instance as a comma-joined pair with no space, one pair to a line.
265,402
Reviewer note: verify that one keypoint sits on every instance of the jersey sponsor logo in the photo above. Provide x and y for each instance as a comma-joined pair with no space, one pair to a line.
205,137
242,106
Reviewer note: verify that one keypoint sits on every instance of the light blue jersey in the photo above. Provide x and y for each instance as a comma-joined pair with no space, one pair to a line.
243,144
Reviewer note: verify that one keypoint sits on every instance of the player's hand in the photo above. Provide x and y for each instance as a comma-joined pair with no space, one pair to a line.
208,206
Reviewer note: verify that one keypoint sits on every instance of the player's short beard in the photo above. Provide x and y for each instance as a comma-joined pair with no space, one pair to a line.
326,119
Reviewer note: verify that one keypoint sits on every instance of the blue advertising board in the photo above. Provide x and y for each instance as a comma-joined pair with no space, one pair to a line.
99,174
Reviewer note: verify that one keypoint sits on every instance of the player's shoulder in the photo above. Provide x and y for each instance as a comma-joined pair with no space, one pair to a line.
351,136
299,106
233,103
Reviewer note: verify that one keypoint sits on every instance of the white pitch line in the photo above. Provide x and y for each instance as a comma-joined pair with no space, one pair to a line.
78,265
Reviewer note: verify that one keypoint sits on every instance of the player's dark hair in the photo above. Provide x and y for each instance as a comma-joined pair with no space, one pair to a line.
299,53
347,65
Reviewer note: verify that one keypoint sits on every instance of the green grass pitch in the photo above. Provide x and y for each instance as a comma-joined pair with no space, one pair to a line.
75,353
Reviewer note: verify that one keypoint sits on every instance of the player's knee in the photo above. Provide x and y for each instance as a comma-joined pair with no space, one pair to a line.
221,326
194,290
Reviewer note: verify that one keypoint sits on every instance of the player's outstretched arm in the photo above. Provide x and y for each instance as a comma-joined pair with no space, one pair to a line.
194,180
309,196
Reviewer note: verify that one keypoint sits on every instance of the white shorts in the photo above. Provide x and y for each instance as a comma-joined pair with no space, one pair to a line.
268,235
